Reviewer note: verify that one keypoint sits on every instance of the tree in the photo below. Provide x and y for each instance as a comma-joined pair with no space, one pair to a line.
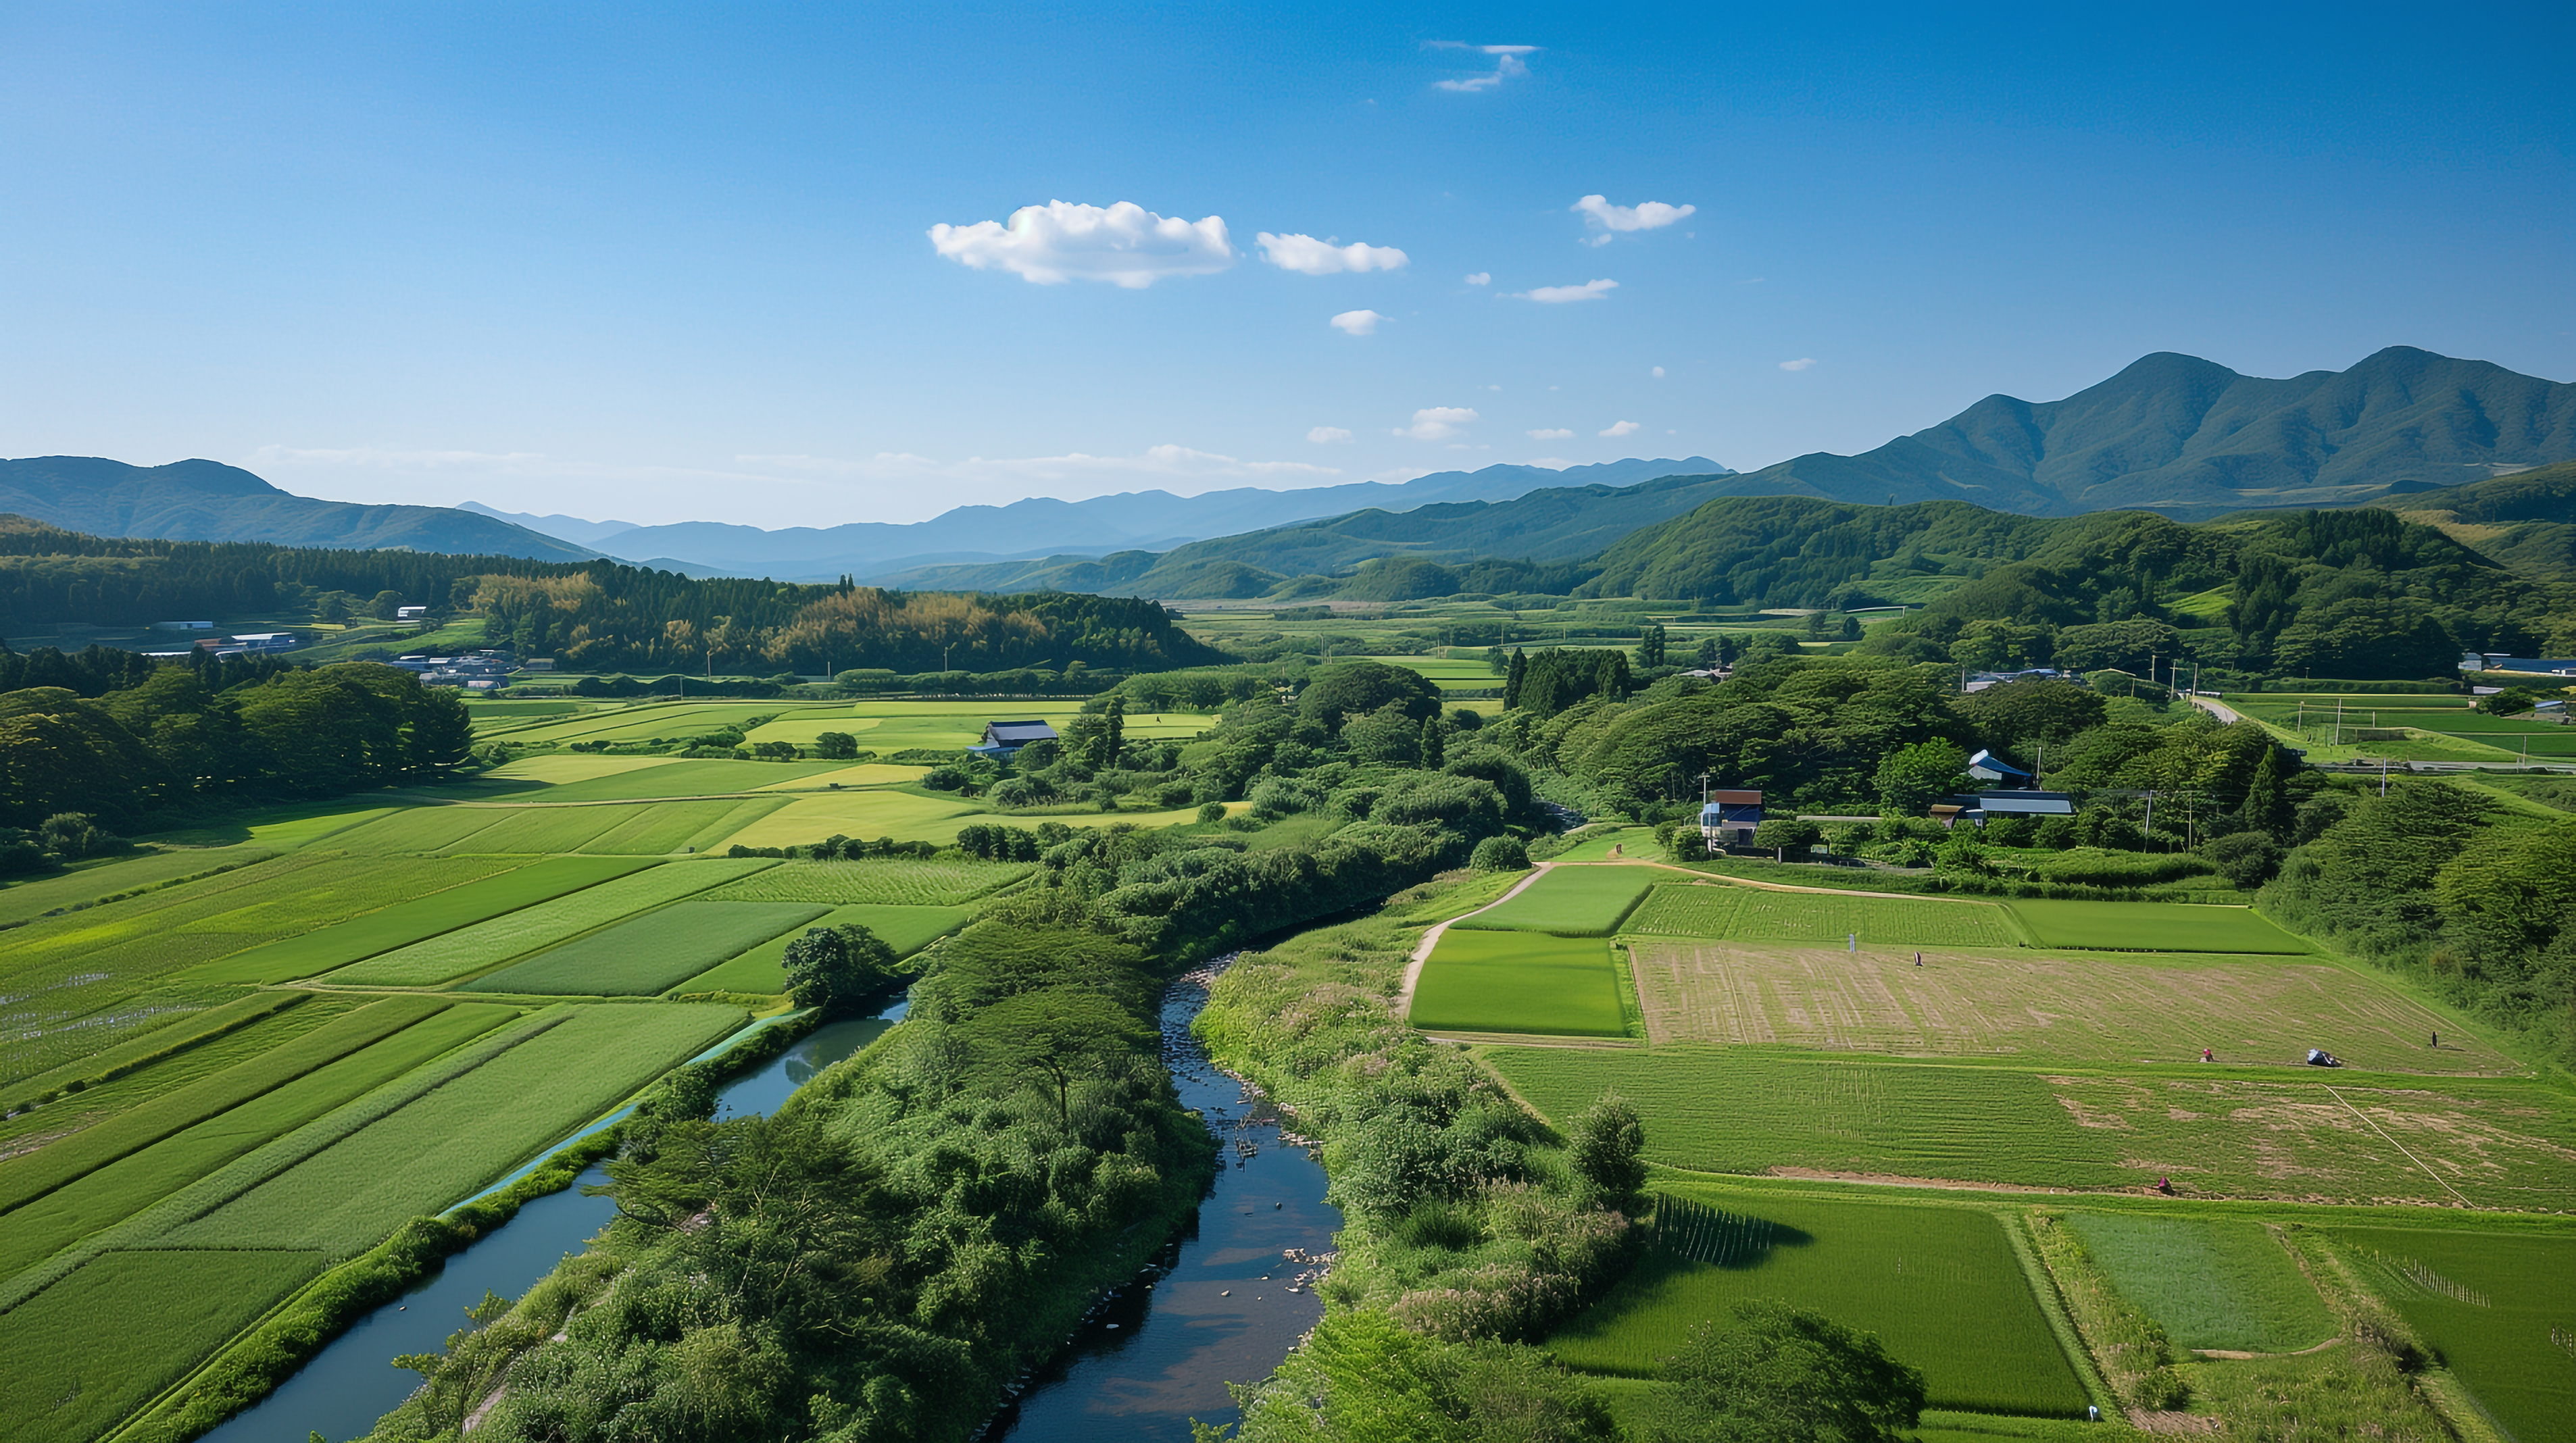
1499,854
1348,689
1607,1148
835,746
1434,746
1784,835
1782,1374
1113,730
1650,646
1512,679
1914,777
838,968
2246,859
2267,796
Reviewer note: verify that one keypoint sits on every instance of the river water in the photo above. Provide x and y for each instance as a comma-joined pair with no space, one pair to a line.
1223,1302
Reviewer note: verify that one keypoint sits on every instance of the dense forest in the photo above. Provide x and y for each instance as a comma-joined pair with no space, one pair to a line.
592,615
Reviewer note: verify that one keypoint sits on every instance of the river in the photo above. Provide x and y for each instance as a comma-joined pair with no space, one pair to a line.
1222,1302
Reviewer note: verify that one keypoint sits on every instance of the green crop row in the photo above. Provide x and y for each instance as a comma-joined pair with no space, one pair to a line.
1580,901
127,1186
88,1350
417,920
488,944
1753,914
1940,1286
116,881
1520,982
650,953
34,1174
2153,927
762,971
2494,1306
191,1031
894,882
2210,1282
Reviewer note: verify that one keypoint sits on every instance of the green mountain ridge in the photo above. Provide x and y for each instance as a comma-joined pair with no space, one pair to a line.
2525,521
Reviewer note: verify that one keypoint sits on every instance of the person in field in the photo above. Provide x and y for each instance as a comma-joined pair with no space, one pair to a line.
2208,1056
1918,959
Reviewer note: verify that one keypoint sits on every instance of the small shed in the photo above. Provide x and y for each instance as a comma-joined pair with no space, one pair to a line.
1729,818
1985,766
1002,738
411,613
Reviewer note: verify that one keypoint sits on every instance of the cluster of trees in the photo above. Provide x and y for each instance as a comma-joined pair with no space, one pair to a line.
138,738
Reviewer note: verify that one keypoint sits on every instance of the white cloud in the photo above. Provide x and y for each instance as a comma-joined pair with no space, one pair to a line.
1559,295
1437,423
1620,428
1549,433
1595,241
1481,278
1356,323
1308,256
1322,434
1598,212
1124,244
1659,373
1507,65
1800,364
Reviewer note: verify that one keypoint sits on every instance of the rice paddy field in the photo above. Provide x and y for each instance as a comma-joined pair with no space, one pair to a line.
24,901
1520,982
762,971
648,954
2214,1283
2374,1138
937,882
1941,1286
2153,927
1750,913
468,950
1577,901
2497,1309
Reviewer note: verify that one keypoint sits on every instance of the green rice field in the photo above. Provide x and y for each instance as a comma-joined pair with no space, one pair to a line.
1519,982
417,920
688,778
118,1077
2502,1143
650,953
938,882
488,944
2497,1309
457,1137
1569,901
1940,1286
27,900
762,970
1751,914
2211,1282
82,1353
2153,927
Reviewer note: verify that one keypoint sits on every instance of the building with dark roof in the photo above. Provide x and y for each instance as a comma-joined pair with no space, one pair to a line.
1002,738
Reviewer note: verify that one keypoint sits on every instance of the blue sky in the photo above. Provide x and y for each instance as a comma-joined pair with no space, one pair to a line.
667,263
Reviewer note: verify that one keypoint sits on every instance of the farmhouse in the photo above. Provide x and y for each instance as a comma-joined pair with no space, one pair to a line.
1979,808
1728,818
1002,738
183,626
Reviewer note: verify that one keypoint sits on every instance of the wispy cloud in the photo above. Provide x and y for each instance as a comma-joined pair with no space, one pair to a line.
1311,257
1617,429
1800,364
1438,423
1323,435
1123,244
1601,215
1659,373
1549,433
1559,295
1356,323
1508,65
1481,278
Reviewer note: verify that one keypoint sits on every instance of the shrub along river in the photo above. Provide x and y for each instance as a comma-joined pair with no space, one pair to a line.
1224,1302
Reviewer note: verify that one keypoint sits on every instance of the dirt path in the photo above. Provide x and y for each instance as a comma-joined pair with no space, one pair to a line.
1431,939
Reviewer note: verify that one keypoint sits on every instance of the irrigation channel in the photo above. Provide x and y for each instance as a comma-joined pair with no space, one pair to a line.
1222,1302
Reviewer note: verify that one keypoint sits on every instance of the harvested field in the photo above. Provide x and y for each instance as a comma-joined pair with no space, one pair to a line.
1568,901
2153,927
1939,1285
2495,1306
2211,1282
417,920
1520,982
763,969
650,953
91,1348
944,882
2299,1137
2108,1009
488,944
1756,914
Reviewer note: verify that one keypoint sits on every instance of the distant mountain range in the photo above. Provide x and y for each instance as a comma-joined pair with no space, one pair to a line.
1043,527
209,501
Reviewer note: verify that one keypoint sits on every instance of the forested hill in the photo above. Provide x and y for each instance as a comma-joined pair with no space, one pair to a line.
209,501
2193,439
596,615
2526,521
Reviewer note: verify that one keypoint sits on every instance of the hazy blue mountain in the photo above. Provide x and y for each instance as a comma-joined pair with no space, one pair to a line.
2193,439
209,501
1043,526
564,528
